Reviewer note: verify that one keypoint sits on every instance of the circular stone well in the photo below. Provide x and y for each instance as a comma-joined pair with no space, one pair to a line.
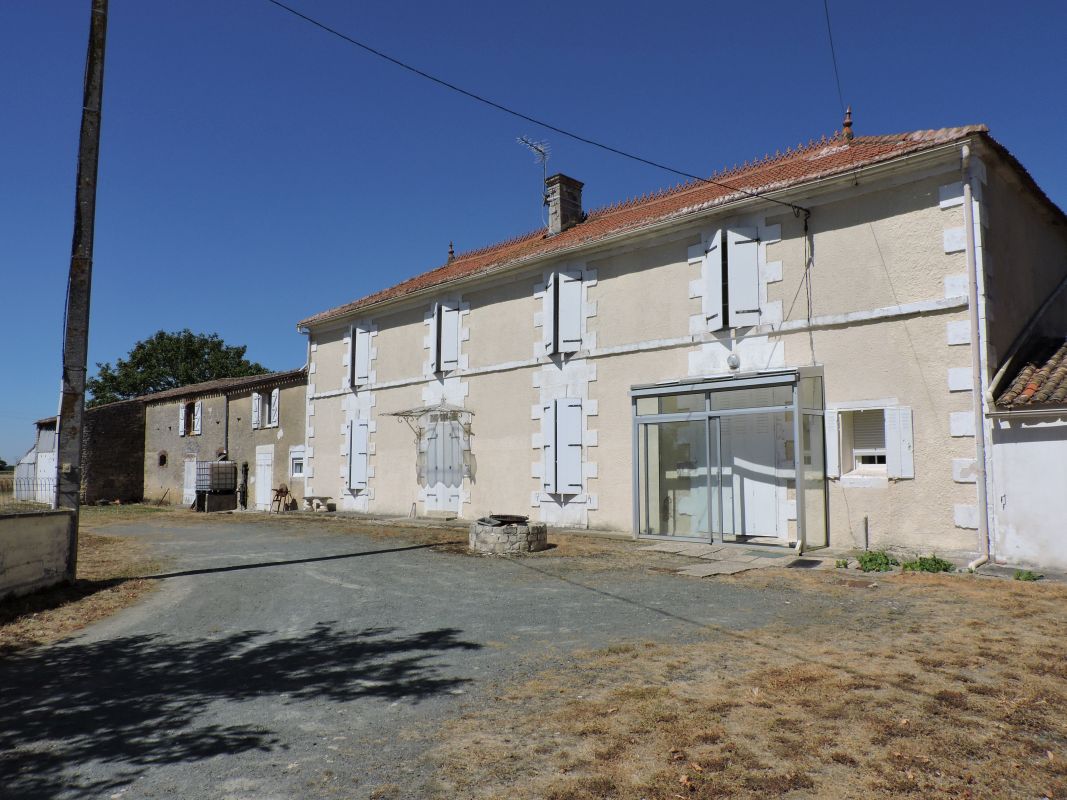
488,536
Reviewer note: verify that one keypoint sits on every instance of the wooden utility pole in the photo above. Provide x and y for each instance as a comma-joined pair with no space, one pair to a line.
79,283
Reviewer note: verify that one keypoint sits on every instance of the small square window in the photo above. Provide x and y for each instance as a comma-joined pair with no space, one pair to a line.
864,433
296,467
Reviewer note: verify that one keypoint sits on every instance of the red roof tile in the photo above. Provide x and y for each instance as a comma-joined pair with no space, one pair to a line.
771,173
1042,380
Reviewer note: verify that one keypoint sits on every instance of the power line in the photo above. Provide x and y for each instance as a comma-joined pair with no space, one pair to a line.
833,54
500,107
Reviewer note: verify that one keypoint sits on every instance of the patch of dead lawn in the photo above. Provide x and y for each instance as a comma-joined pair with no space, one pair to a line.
964,696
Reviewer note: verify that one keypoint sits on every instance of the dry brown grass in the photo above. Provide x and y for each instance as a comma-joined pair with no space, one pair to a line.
962,696
107,582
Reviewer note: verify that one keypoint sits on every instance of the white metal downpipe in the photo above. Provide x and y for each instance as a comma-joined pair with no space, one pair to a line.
976,362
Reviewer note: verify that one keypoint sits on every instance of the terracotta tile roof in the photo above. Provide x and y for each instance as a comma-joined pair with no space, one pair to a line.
816,160
1042,381
224,385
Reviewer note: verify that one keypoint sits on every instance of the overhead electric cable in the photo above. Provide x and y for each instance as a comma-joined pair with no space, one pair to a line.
500,107
833,54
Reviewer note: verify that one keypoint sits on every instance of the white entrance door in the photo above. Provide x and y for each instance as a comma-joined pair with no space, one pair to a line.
45,486
750,488
189,483
264,475
443,443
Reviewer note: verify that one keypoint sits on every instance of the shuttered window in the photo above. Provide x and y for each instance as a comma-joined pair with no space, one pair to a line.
563,312
257,404
275,403
360,343
198,416
709,256
561,439
358,443
870,438
444,342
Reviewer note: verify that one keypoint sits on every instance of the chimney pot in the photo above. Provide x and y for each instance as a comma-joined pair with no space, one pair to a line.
563,196
846,126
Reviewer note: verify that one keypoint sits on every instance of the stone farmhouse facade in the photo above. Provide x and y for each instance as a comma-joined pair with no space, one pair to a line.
256,421
796,351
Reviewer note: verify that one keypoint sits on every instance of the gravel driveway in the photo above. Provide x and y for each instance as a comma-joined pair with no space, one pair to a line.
289,661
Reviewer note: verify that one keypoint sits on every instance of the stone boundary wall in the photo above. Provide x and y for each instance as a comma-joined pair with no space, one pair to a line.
33,551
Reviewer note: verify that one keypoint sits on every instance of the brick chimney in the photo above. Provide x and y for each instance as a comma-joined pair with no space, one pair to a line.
563,196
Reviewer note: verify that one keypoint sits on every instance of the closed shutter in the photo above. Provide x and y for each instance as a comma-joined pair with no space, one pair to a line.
357,458
710,259
548,318
197,417
181,419
433,454
275,397
569,446
361,365
454,465
257,406
569,311
743,277
435,339
449,319
548,445
833,448
900,456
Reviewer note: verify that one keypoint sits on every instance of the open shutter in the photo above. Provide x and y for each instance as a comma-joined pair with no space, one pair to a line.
257,405
711,282
743,278
181,419
899,447
198,410
275,396
569,446
548,318
361,362
548,444
357,454
833,447
449,337
569,310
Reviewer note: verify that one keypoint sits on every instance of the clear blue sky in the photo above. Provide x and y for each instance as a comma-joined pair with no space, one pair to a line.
255,170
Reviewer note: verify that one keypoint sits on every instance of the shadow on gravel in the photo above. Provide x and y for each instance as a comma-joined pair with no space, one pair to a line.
291,561
132,703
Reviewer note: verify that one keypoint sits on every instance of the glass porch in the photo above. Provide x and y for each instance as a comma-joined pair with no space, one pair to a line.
717,460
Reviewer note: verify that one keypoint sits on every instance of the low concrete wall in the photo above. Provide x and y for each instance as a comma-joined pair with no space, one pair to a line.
33,551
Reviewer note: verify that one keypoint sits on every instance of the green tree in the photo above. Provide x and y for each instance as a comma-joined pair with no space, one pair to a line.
167,361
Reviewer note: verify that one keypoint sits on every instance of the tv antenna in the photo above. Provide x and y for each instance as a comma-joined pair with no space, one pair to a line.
542,152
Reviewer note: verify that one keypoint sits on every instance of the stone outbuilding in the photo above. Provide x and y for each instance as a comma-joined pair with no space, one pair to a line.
255,421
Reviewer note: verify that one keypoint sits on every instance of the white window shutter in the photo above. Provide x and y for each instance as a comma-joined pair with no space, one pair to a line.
833,447
743,278
711,278
899,446
435,339
357,453
449,337
361,361
198,410
548,444
257,406
181,419
569,308
892,443
569,446
548,318
275,397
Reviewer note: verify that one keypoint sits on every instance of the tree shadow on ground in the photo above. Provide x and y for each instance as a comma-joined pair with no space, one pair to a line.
137,702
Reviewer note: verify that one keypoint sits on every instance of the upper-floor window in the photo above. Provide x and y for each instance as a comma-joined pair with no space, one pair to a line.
444,337
265,409
729,285
562,319
190,416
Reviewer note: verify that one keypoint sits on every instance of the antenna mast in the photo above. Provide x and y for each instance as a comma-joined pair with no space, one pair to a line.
542,152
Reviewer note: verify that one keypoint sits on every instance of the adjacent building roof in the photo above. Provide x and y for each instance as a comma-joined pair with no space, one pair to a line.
226,385
1042,380
817,160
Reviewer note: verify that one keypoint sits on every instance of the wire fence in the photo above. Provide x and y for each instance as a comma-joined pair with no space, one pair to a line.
22,495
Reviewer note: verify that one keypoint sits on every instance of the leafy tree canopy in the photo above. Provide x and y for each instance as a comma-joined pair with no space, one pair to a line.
167,361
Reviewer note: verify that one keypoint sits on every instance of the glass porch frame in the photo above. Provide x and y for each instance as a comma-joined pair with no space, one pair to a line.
813,378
